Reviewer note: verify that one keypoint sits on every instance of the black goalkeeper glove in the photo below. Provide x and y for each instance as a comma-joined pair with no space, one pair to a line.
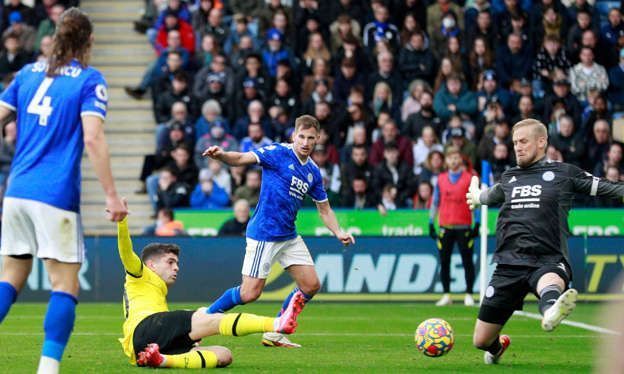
475,230
432,231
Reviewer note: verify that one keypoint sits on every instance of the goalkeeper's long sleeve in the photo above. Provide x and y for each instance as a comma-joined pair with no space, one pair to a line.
131,262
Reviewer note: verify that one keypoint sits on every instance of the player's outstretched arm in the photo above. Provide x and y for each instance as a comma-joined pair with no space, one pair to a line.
329,219
584,182
131,262
97,150
230,158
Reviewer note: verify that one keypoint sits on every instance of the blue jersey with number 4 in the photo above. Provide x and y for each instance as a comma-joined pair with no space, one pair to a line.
285,182
46,165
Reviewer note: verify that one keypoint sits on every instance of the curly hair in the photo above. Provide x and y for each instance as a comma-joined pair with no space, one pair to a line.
72,39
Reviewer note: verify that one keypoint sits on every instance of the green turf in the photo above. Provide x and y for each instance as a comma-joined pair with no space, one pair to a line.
337,337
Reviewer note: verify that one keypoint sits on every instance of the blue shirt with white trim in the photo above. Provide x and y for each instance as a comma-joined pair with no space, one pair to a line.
46,165
285,182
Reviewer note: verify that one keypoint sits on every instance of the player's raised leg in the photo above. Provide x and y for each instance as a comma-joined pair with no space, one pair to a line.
554,304
61,313
15,271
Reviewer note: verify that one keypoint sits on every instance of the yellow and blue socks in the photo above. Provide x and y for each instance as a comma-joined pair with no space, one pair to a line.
190,360
8,295
227,301
306,298
240,324
58,324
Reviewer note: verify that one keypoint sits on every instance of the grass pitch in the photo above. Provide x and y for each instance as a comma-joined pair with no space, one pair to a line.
336,337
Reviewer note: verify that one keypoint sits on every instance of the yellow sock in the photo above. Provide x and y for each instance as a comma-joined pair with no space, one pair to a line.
191,360
239,324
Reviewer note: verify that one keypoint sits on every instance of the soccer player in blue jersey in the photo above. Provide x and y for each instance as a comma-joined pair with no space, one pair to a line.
288,174
60,107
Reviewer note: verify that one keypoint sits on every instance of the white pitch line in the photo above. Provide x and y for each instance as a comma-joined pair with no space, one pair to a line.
580,325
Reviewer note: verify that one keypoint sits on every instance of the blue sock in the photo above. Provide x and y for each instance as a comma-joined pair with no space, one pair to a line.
8,295
306,298
227,301
58,324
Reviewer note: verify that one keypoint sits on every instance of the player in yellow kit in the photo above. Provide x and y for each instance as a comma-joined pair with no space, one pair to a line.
156,337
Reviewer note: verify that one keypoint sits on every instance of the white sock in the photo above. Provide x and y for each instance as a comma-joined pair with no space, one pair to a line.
48,365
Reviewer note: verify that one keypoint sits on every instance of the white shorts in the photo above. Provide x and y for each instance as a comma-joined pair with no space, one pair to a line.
260,256
34,228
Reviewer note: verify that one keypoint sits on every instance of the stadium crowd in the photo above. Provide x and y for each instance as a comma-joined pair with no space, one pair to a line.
392,82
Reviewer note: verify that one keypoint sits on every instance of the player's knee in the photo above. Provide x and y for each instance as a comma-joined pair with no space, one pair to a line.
224,356
312,287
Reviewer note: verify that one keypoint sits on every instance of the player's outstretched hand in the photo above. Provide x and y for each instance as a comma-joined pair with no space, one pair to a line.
345,238
474,193
213,152
116,208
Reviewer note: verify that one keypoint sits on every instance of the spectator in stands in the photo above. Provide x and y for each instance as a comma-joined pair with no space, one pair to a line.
343,25
249,92
425,144
207,194
12,58
167,137
386,72
570,142
437,12
598,109
45,49
575,35
250,191
613,30
358,194
183,165
165,225
388,199
416,61
444,72
454,98
480,58
500,161
285,98
551,57
321,92
347,77
433,166
392,171
525,109
500,135
253,69
240,30
598,144
171,193
25,33
180,92
390,134
562,95
217,135
612,159
255,114
381,29
275,51
513,61
354,9
220,84
351,48
504,19
236,226
199,16
383,102
424,196
415,122
582,5
316,49
173,22
468,150
553,154
480,27
208,48
255,138
210,113
442,36
48,25
548,18
411,103
357,164
490,92
587,75
616,84
26,12
214,27
359,138
320,72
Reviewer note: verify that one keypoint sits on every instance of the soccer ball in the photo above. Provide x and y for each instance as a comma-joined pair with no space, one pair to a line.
434,337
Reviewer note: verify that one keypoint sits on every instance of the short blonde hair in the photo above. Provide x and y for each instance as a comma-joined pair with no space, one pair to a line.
538,128
307,121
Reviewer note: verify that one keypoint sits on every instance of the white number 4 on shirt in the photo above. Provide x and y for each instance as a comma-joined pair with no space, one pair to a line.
40,104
